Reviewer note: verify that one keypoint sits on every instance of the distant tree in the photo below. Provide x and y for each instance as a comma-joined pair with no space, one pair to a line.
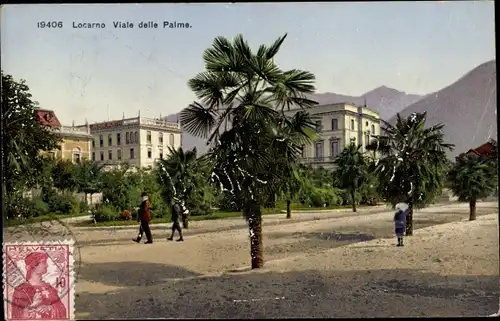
472,178
351,170
64,176
89,178
412,164
23,140
179,176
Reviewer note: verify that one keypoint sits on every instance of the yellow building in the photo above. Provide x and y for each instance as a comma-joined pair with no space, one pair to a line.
76,142
337,126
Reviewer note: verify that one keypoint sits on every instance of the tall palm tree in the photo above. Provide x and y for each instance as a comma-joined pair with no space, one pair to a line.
351,170
178,175
244,95
472,178
412,163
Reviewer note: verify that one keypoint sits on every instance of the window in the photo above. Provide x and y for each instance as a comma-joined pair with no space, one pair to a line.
132,153
150,153
136,137
335,124
303,151
318,153
132,140
93,156
118,139
119,154
373,129
318,126
148,137
93,143
334,148
110,154
101,141
161,153
127,138
110,140
366,124
352,124
160,138
171,139
77,155
367,138
102,156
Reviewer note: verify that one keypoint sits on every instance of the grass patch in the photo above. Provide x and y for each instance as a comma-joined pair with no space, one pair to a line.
38,219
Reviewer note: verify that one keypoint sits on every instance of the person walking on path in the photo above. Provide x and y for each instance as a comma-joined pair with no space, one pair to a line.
400,222
176,213
144,217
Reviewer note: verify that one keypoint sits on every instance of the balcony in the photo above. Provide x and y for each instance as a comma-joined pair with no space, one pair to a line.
72,131
159,123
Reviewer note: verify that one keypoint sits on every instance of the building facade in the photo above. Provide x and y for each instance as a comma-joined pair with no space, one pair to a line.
75,142
137,141
337,126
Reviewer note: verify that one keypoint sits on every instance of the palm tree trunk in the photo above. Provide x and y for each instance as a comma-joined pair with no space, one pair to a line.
253,214
288,209
472,207
409,219
353,199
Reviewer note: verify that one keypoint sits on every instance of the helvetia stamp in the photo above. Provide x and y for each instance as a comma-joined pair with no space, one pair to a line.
38,280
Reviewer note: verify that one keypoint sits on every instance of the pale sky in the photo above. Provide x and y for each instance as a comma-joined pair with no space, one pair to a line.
352,48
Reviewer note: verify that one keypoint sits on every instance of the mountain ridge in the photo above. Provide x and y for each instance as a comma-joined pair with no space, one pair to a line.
467,108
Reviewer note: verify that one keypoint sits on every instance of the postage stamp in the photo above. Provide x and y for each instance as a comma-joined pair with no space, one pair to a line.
38,280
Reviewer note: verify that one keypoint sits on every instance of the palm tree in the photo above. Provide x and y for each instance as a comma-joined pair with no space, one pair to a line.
244,96
351,170
472,178
178,176
411,167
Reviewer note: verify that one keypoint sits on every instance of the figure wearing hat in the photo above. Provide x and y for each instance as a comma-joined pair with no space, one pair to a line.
36,299
400,221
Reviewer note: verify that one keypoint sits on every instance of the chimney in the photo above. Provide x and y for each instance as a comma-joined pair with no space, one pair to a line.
123,115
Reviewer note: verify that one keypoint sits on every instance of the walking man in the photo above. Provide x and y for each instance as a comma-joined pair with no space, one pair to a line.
144,216
176,213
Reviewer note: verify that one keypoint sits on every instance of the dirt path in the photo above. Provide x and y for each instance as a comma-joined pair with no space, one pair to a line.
447,270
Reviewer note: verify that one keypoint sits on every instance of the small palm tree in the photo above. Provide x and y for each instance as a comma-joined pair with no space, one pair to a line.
244,95
412,163
472,178
351,170
178,175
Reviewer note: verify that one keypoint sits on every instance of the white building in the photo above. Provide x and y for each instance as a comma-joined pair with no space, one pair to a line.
337,126
137,141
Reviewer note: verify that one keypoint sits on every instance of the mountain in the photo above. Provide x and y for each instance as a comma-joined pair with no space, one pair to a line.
387,101
467,108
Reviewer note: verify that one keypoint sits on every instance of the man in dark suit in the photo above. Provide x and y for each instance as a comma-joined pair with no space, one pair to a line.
176,214
144,216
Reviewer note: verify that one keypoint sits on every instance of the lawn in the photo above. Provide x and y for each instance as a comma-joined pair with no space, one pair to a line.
38,219
214,216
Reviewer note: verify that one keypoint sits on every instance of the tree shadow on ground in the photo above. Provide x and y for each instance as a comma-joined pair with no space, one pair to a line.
131,274
265,294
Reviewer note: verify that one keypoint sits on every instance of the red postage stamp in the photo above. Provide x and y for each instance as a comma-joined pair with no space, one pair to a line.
38,280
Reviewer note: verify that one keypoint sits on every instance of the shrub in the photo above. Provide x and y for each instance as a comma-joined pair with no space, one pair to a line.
40,208
105,213
19,207
126,215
